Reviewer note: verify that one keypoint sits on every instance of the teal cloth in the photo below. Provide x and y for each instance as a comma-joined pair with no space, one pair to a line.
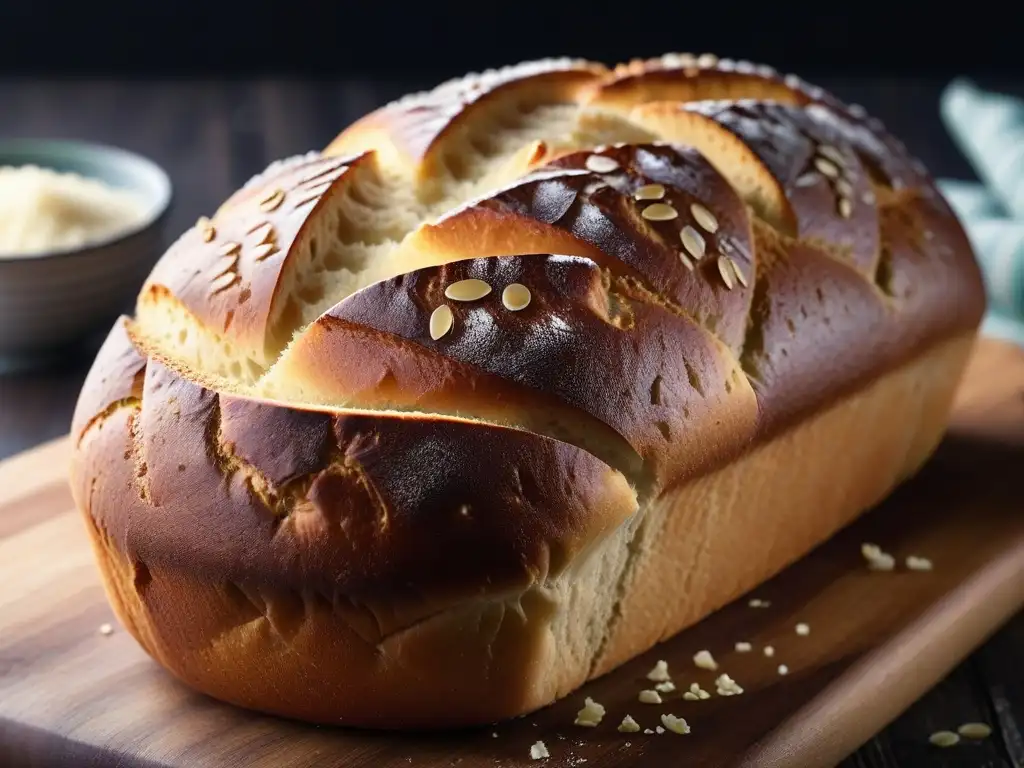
989,130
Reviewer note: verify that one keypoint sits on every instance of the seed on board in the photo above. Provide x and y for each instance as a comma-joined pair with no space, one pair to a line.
272,200
944,739
833,154
659,212
223,282
467,290
261,251
693,242
441,321
975,730
649,192
827,167
915,563
648,696
845,206
736,271
515,297
704,660
675,724
756,602
263,233
743,647
783,669
769,651
659,672
108,629
803,629
686,261
725,270
229,248
601,164
704,218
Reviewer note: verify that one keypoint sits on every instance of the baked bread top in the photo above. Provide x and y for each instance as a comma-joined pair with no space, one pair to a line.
496,318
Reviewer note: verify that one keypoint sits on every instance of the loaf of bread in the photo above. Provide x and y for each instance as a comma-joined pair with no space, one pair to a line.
514,380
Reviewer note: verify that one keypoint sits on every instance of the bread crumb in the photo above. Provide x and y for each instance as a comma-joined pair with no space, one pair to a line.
106,630
628,725
696,692
675,724
650,697
915,563
494,735
591,714
660,672
744,647
877,559
648,730
658,729
756,602
538,751
666,687
783,669
704,660
727,686
944,739
975,730
802,629
769,651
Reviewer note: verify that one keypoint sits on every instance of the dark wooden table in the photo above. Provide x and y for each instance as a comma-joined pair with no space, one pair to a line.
212,136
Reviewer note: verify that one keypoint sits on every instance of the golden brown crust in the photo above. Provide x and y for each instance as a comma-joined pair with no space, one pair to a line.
228,271
407,521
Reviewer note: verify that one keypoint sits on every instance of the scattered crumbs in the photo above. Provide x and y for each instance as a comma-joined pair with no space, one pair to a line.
704,660
660,672
944,739
802,629
659,730
877,559
744,647
727,686
769,651
756,602
538,751
783,669
675,724
648,730
628,725
650,697
975,730
591,714
106,629
494,735
916,563
667,687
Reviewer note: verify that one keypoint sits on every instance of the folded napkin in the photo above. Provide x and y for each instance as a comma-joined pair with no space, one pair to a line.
989,129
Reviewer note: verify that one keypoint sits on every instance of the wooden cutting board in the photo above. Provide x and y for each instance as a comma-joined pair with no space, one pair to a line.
71,696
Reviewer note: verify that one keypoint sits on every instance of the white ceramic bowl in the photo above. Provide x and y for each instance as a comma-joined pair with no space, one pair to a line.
49,301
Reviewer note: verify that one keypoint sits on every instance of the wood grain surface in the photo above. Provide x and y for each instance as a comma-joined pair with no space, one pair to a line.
71,696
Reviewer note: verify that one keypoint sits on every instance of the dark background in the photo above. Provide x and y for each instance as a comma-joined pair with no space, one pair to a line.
392,38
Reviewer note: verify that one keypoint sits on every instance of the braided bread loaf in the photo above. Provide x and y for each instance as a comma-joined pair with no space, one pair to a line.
515,379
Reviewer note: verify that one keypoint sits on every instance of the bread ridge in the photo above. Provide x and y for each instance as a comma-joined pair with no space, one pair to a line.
307,395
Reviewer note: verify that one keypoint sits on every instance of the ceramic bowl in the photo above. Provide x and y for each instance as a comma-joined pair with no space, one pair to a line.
50,301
